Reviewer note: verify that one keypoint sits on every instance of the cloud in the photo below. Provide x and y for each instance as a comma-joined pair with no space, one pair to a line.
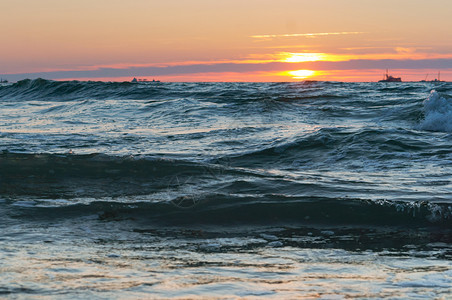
309,35
404,50
155,71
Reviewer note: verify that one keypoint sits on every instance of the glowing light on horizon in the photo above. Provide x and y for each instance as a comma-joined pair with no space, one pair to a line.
301,74
290,57
302,57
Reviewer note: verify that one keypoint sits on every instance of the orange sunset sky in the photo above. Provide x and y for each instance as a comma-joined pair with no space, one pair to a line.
225,40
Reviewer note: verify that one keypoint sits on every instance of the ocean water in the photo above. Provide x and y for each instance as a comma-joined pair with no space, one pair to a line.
317,190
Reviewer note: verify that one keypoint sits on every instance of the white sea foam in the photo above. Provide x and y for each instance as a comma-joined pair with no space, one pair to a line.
25,203
275,244
438,113
434,280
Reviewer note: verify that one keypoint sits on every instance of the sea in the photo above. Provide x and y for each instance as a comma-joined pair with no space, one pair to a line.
165,190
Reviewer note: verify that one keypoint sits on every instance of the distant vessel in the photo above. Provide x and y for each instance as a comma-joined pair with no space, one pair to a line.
134,80
3,80
434,80
389,78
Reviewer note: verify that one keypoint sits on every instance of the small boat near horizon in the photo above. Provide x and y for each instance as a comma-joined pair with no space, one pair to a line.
389,78
135,80
3,80
434,80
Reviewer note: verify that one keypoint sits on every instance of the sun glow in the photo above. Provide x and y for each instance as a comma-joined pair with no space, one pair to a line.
301,74
302,57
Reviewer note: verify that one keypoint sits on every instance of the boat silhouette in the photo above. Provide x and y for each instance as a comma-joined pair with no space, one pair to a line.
135,80
434,80
389,78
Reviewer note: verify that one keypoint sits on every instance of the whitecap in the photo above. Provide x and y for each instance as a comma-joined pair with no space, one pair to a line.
438,113
25,203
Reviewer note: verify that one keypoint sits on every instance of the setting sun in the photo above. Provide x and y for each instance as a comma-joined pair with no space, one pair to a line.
301,74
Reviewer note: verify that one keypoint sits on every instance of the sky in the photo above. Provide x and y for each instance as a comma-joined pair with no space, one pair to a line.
225,40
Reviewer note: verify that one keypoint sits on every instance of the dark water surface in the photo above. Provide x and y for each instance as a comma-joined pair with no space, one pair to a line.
225,190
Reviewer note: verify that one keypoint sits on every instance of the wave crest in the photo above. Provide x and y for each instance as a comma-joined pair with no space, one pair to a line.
438,113
42,89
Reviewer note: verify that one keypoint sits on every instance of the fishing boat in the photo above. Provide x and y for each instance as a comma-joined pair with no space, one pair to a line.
389,78
434,80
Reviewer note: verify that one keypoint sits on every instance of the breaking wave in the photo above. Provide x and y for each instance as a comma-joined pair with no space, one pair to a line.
438,113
